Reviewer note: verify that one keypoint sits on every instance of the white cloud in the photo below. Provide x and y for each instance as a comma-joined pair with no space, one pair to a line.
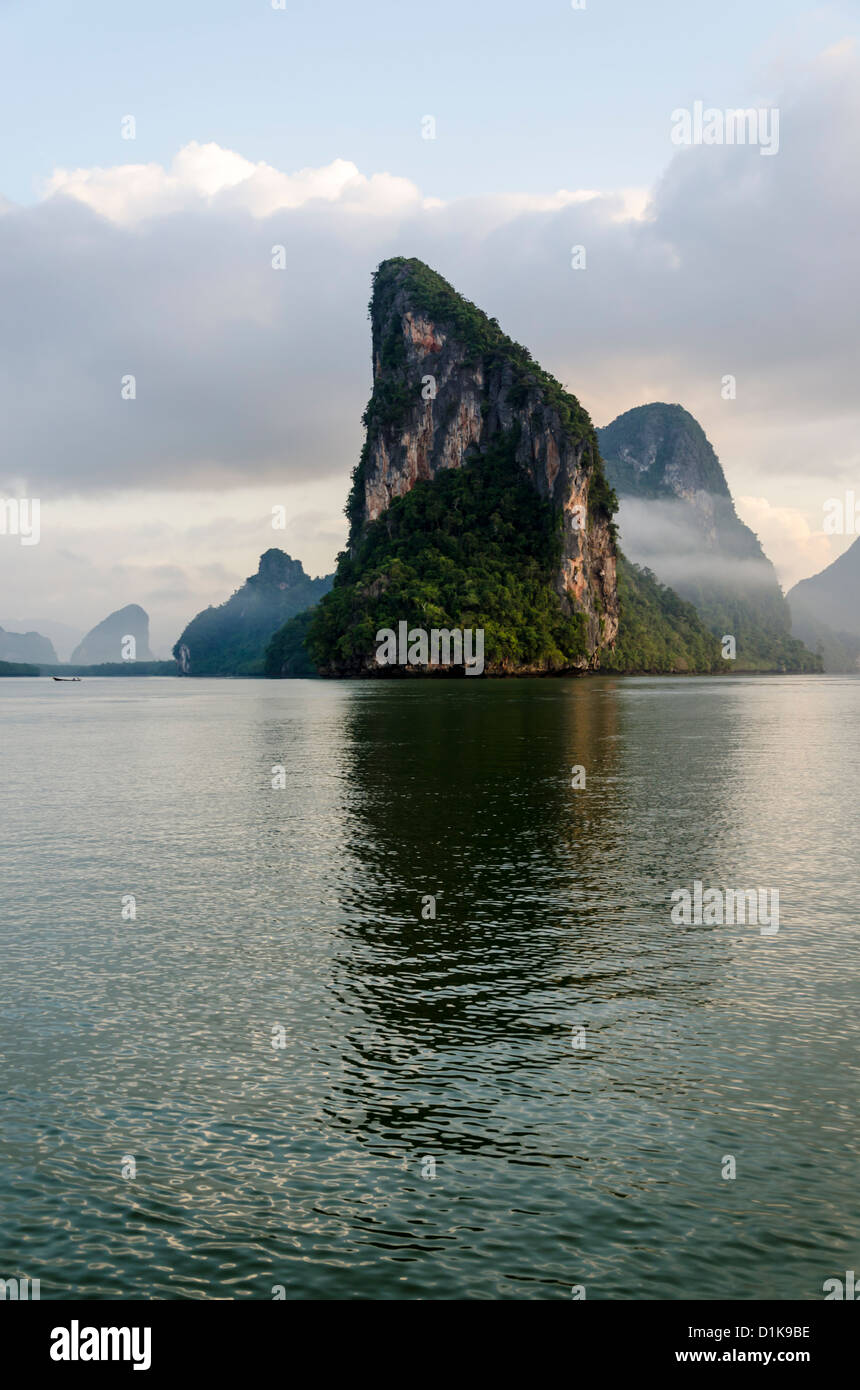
795,547
207,176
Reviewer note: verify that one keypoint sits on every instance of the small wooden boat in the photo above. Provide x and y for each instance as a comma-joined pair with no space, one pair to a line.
65,678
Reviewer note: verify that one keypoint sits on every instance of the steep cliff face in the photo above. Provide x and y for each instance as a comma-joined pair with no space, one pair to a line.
660,452
677,517
107,642
448,387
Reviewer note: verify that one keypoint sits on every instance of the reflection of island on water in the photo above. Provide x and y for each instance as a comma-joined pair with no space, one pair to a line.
474,854
547,906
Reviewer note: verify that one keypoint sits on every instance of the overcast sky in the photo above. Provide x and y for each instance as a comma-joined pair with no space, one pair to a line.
257,127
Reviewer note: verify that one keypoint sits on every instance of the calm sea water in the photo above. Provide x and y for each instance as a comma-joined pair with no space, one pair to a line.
406,1040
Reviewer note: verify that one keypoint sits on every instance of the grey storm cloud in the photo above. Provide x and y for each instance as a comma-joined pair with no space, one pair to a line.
246,374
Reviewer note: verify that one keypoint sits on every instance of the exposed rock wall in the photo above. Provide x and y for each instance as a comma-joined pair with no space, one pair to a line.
438,398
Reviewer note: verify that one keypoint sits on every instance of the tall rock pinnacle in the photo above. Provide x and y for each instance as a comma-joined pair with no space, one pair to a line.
448,383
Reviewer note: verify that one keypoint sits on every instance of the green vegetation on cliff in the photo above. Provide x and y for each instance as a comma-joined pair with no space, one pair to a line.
231,640
287,653
758,620
658,632
839,651
652,450
475,548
